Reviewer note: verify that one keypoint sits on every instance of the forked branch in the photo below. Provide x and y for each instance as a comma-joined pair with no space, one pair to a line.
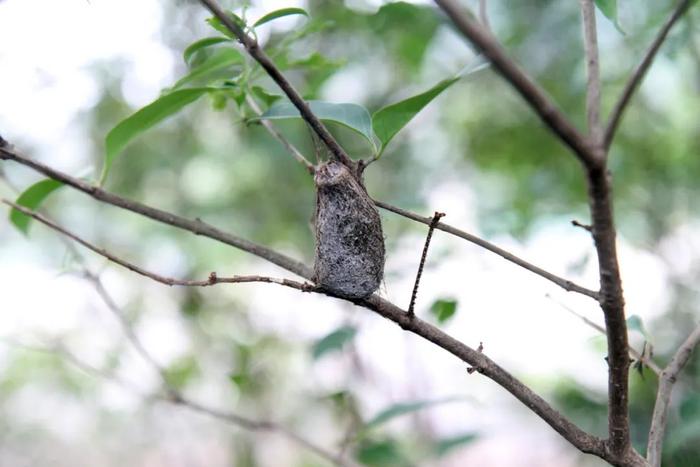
663,396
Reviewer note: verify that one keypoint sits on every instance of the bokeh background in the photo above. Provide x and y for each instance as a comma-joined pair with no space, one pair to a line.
71,70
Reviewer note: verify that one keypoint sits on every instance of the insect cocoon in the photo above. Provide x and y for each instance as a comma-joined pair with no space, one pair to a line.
349,240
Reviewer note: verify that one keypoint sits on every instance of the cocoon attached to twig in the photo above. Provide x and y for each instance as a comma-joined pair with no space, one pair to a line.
349,240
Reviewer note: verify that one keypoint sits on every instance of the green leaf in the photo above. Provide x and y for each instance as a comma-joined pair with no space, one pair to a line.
267,97
145,118
279,14
391,119
213,67
31,198
333,341
201,44
404,408
443,309
380,453
216,23
635,323
352,116
609,9
445,445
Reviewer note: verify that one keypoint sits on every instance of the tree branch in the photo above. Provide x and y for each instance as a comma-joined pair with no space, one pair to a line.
561,282
197,227
253,48
579,438
291,149
213,279
663,396
533,94
590,41
639,73
613,304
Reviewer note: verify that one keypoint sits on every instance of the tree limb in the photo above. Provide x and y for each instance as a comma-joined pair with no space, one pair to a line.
533,94
639,73
561,282
663,396
253,48
579,438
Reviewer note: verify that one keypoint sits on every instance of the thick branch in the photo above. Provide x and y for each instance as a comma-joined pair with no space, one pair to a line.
639,73
590,42
613,304
533,94
561,282
261,57
579,438
663,397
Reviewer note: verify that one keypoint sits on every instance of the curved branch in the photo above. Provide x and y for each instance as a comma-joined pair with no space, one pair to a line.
663,396
533,94
639,73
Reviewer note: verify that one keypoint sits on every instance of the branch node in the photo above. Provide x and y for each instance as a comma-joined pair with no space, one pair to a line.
586,227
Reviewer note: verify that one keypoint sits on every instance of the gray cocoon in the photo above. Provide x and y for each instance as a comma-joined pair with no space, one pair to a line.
349,239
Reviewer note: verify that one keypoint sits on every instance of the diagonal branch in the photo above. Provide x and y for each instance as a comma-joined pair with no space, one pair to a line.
197,227
533,94
576,436
590,42
253,48
561,282
213,279
639,73
663,396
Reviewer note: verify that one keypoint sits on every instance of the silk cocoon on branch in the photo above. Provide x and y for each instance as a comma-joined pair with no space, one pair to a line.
349,239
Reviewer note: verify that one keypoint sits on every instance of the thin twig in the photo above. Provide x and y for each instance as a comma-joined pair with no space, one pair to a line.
590,41
561,282
568,430
279,137
433,223
253,48
213,279
648,362
663,396
638,75
533,94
